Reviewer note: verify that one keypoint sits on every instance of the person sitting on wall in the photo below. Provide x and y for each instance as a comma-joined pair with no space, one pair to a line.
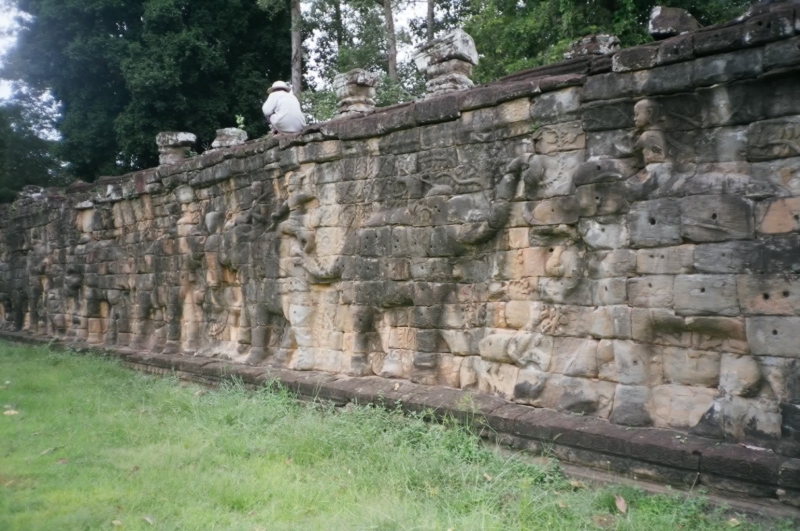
282,110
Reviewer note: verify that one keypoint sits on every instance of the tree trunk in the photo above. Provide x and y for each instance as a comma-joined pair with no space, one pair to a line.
337,21
391,40
297,49
430,19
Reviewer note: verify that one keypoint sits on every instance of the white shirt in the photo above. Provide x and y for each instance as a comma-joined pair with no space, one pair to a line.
283,111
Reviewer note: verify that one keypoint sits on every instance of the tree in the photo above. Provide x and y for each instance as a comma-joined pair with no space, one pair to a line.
124,70
25,157
391,40
430,20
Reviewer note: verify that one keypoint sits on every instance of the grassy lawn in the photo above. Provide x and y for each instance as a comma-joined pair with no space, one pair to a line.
95,446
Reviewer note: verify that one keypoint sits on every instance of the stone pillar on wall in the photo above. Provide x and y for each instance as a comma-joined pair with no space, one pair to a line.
173,147
598,44
229,137
666,22
447,63
356,92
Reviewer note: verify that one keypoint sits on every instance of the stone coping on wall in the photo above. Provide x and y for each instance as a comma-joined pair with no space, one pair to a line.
651,454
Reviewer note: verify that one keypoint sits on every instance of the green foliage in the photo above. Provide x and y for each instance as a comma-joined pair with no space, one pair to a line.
94,443
25,157
352,35
514,35
125,70
318,105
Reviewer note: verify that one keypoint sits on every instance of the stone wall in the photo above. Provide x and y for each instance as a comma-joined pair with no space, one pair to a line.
614,236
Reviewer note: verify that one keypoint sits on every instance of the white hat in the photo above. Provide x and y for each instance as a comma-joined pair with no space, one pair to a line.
279,85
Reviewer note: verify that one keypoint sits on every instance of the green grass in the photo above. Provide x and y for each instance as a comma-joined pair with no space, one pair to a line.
96,446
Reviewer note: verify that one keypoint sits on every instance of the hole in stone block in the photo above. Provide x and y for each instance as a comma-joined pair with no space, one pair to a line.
714,216
766,296
606,288
760,23
785,293
652,221
797,217
702,290
551,249
602,230
774,332
662,256
649,285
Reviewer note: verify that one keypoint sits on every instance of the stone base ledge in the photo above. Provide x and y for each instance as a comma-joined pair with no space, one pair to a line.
651,454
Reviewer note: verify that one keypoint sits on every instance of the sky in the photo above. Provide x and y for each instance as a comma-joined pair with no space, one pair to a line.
7,39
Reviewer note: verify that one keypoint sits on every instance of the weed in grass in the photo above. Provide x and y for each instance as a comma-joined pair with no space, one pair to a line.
150,453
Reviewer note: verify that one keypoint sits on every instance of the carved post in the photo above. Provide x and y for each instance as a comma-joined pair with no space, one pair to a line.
666,22
173,147
599,44
447,63
228,137
356,92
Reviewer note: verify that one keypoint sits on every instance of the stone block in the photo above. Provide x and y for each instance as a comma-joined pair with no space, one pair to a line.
554,107
669,79
575,357
680,406
776,25
774,336
555,211
707,218
724,334
604,233
740,375
782,54
769,294
726,144
637,58
718,40
614,263
691,367
604,170
611,322
655,223
614,144
706,295
605,115
609,291
728,67
488,377
602,199
655,291
675,50
659,326
609,86
632,404
731,104
666,260
729,257
774,139
631,361
778,216
568,136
